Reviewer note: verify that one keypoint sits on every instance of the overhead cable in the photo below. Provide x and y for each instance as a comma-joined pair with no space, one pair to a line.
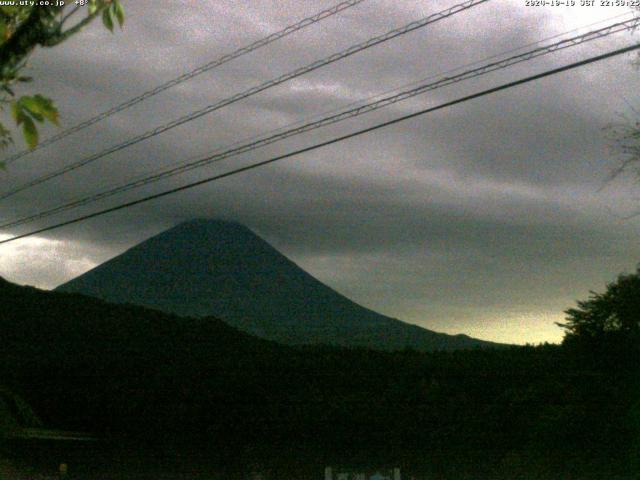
189,75
341,138
252,91
344,115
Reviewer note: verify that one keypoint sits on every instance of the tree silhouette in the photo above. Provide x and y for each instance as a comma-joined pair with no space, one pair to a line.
610,316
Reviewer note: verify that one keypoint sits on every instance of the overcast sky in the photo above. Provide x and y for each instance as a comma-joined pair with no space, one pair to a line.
487,218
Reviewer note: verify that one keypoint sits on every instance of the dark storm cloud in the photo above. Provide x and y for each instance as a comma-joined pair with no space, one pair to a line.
484,218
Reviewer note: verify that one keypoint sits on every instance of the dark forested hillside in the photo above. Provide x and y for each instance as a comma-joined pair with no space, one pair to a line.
219,268
178,386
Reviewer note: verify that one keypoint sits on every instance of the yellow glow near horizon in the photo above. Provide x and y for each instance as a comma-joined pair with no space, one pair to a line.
532,327
519,328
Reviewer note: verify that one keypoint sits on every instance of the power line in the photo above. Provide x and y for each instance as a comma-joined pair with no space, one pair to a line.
252,91
346,114
341,138
191,74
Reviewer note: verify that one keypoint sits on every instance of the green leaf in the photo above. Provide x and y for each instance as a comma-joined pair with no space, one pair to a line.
30,132
16,112
48,109
31,104
93,7
40,107
37,116
52,116
46,102
118,10
107,19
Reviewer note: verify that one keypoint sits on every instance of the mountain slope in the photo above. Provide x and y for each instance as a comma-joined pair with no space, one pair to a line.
211,267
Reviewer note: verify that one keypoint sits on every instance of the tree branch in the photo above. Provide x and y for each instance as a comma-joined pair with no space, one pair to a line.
69,15
62,36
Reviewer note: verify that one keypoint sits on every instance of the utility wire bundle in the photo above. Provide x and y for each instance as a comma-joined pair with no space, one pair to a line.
263,42
344,115
380,103
410,27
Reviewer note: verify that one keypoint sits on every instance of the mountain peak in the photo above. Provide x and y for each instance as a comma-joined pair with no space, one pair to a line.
218,267
210,223
207,228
